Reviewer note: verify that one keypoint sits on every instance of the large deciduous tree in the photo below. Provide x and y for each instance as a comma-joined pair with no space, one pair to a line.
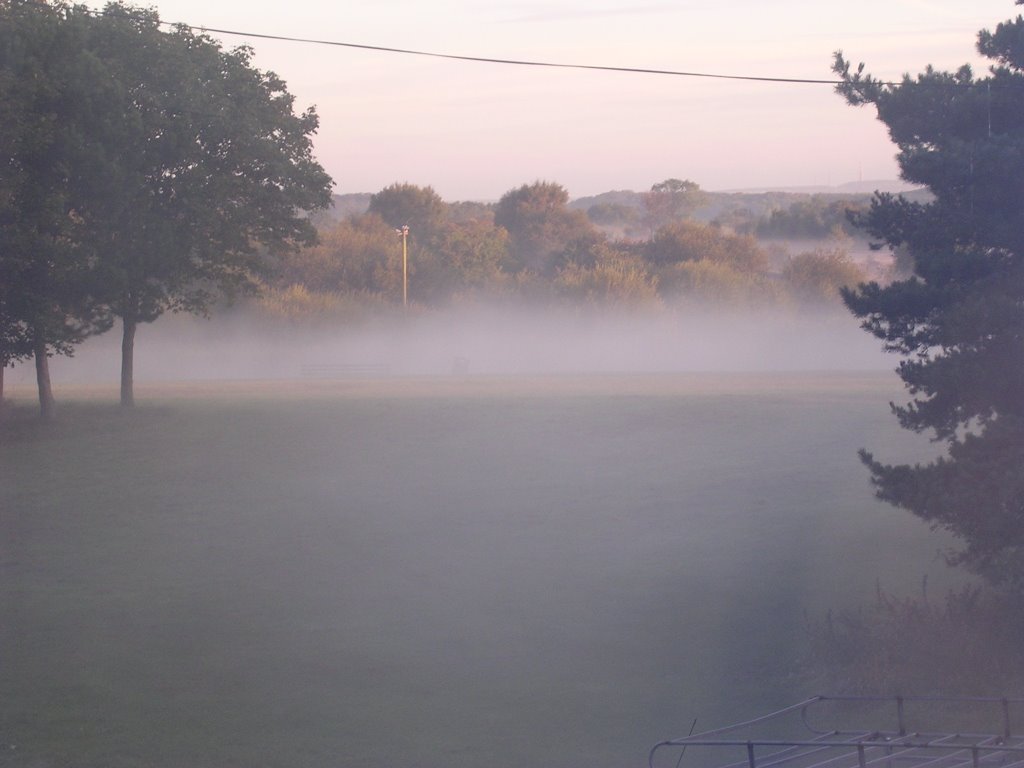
204,163
958,320
144,171
47,85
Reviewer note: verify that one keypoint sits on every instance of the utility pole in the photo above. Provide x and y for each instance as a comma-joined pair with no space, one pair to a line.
404,234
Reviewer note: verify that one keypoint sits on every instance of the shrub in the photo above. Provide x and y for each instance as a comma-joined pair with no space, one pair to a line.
298,304
815,278
691,241
967,644
715,282
614,279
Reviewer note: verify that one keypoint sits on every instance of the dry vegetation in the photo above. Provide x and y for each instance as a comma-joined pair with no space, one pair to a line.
968,643
534,245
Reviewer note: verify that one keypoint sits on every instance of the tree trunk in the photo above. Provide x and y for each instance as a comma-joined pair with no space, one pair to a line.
3,367
46,404
128,362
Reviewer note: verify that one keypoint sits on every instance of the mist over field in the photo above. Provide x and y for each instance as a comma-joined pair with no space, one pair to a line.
552,571
514,341
522,537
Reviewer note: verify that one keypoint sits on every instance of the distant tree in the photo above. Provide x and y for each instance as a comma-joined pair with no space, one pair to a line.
681,242
466,211
613,214
814,217
959,319
670,201
693,241
460,259
543,231
362,256
740,220
421,208
613,278
715,284
357,255
817,278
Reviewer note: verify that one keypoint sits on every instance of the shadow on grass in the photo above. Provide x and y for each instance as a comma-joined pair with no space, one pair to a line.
20,421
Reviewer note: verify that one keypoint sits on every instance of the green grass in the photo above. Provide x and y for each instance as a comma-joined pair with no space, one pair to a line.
430,573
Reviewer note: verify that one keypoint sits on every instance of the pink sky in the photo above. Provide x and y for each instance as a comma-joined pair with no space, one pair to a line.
474,130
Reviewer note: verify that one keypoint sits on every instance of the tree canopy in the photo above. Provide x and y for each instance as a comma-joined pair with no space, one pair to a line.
213,163
50,91
535,247
670,201
168,163
421,208
958,320
543,230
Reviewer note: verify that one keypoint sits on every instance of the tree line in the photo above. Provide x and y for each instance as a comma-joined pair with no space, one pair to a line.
533,245
771,215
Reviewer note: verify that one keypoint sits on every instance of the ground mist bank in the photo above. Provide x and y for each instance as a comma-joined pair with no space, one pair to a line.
516,340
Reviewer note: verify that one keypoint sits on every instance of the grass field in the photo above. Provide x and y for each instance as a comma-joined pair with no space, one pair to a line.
430,572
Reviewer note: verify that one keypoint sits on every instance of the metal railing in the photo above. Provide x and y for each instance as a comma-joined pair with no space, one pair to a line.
894,746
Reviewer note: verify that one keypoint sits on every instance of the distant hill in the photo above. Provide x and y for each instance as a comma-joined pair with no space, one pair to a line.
616,197
753,202
863,187
850,188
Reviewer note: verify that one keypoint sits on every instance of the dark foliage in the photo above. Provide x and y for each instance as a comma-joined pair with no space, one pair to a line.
958,320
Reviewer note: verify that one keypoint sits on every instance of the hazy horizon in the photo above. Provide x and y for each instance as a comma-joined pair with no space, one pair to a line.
474,130
852,187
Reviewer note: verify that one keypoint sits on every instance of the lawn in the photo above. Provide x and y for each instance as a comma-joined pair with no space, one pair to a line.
431,572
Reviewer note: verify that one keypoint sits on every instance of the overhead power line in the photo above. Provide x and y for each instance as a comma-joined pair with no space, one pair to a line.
513,62
519,62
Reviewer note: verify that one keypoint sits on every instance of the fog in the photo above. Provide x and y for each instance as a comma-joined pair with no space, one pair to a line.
430,579
512,341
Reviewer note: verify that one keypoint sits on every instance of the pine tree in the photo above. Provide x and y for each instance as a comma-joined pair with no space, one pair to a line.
958,320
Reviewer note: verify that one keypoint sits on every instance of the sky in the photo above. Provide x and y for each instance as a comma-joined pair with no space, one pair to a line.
473,131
